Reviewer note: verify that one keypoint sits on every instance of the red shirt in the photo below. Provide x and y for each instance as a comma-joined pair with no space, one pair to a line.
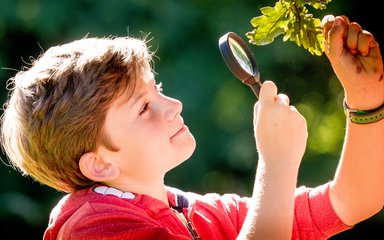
105,213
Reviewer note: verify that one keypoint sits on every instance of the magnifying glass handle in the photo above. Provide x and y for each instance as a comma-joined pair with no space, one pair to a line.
254,83
256,88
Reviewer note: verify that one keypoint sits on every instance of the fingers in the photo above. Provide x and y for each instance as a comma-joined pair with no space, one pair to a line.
346,35
327,23
360,41
374,52
269,95
282,99
365,42
353,35
335,32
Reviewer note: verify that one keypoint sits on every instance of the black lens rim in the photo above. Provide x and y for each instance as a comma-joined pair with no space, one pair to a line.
230,59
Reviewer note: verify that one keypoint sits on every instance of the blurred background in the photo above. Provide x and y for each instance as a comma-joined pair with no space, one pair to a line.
217,107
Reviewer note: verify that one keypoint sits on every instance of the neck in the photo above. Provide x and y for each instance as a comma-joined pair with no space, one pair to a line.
155,190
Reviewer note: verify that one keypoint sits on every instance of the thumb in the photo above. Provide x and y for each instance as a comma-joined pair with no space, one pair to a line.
268,92
255,113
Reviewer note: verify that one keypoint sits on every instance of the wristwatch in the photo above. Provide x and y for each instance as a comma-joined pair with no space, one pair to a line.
364,116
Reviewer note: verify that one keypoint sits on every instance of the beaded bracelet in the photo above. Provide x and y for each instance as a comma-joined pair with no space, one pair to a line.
364,116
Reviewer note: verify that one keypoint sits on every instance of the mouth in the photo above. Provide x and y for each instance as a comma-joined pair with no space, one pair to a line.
180,131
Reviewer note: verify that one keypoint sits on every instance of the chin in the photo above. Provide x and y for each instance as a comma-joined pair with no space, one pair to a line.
187,152
192,148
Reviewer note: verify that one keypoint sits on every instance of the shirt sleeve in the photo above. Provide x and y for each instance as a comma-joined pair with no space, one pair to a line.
314,216
219,217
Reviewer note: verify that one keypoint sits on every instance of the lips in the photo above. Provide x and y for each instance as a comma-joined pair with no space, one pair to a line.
180,131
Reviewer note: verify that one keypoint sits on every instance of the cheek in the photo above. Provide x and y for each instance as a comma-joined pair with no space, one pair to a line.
152,128
108,143
147,137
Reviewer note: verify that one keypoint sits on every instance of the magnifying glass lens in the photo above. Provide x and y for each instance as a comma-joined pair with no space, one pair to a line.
240,55
240,60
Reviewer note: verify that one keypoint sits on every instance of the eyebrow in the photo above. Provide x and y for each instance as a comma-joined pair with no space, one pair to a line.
139,97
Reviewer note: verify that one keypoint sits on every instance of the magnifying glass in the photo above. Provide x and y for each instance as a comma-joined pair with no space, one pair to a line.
240,60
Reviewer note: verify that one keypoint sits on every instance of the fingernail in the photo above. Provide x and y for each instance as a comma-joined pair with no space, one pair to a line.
338,21
327,18
373,44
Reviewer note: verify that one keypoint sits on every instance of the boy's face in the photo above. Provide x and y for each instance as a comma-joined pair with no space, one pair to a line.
148,132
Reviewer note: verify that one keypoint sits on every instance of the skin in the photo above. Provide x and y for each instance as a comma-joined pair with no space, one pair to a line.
152,139
281,136
356,192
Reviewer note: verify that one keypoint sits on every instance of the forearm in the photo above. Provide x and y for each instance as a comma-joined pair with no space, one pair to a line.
357,190
272,206
281,135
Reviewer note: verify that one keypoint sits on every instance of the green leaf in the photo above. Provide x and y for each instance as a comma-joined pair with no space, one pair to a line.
291,19
317,4
271,24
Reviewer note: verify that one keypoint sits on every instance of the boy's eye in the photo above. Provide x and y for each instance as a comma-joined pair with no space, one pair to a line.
145,107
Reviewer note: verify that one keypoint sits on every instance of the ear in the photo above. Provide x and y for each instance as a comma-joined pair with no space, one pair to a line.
96,168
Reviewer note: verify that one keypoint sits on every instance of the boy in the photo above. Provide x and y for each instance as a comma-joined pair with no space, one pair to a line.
88,119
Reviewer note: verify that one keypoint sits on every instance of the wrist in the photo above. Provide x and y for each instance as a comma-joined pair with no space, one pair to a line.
370,97
278,166
364,116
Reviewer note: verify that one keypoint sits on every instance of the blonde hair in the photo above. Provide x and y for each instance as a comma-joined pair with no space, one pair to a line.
57,107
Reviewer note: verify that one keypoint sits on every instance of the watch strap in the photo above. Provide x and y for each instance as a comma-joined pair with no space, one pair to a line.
364,116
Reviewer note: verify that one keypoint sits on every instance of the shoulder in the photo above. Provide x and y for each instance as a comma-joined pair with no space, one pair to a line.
219,211
208,199
98,200
95,213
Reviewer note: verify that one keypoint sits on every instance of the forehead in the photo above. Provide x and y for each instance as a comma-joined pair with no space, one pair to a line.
135,90
146,77
142,80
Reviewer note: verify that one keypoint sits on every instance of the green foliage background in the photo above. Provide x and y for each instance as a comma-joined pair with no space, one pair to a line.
217,108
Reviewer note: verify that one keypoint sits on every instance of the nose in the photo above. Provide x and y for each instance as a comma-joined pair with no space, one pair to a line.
173,109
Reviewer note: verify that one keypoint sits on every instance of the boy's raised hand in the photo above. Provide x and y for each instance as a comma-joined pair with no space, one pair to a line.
280,130
281,136
356,191
356,59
